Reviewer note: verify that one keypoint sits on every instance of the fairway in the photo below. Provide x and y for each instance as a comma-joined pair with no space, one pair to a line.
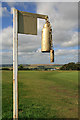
42,94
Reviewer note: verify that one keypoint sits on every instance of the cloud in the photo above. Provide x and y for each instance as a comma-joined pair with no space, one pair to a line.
29,50
66,55
61,57
63,21
65,52
6,42
26,43
38,50
6,57
64,24
73,41
5,12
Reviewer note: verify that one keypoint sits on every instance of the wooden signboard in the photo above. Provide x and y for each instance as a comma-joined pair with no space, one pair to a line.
27,23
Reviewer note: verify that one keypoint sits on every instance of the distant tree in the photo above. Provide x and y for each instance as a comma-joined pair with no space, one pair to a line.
78,63
78,66
20,67
70,66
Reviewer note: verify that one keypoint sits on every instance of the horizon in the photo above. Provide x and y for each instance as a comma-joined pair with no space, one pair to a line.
42,64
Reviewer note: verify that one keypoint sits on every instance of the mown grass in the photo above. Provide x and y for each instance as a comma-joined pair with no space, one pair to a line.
42,94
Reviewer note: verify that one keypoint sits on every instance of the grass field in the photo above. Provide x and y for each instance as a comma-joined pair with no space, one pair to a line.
42,94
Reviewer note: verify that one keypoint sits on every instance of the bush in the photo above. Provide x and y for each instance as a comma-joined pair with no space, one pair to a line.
20,67
5,68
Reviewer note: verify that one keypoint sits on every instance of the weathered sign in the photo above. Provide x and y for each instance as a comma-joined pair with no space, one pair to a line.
27,23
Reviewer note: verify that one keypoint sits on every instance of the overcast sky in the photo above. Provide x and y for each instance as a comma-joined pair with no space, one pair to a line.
63,17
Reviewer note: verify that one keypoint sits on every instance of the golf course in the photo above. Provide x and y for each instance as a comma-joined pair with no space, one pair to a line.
42,94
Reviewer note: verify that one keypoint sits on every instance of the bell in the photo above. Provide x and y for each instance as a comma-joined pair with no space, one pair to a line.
45,43
52,55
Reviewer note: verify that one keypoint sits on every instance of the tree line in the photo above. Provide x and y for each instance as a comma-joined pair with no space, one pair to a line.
71,66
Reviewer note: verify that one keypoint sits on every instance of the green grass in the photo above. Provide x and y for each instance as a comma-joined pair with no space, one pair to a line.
42,94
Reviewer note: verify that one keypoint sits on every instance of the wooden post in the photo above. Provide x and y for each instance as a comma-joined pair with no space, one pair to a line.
27,30
15,64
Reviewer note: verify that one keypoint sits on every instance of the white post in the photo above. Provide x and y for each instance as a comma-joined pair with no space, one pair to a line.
15,64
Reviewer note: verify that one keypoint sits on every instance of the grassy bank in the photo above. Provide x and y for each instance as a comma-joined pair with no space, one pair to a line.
42,94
